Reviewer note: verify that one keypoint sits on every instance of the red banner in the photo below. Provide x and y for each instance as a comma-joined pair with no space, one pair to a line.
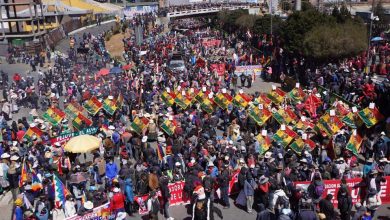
219,68
177,197
211,43
99,213
357,193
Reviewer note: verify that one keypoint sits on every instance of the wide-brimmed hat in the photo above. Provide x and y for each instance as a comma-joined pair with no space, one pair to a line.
263,179
144,139
88,205
5,156
268,155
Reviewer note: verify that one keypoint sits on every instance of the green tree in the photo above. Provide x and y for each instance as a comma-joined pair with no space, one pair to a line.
335,41
263,24
298,24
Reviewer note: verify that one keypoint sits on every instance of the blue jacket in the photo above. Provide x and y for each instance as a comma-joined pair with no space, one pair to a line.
129,190
18,213
111,170
248,188
116,137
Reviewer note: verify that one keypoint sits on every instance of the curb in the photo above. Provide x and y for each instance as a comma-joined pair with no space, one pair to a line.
89,26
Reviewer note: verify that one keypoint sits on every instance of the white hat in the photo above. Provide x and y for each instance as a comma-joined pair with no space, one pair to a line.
230,142
226,157
306,152
14,143
383,133
121,216
57,144
268,155
5,155
211,164
177,164
43,127
147,115
303,160
110,97
384,160
160,133
116,189
88,205
14,157
144,139
111,127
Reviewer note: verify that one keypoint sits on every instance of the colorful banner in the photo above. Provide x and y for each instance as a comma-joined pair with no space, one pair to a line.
297,95
354,144
109,106
168,98
242,100
207,105
252,69
276,96
357,193
53,115
265,143
139,125
285,116
79,120
352,120
370,116
329,125
65,137
169,127
93,106
260,116
284,137
223,100
73,109
182,101
99,213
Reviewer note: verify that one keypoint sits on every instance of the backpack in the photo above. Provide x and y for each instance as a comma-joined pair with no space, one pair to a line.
319,190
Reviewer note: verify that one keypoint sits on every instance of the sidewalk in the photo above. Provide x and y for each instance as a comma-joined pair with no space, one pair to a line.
6,206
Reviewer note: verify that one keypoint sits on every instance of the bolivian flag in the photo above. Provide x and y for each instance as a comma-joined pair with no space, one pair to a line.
242,100
284,137
200,96
370,116
297,95
31,132
352,120
297,146
329,125
303,125
260,116
53,115
78,121
264,142
263,99
276,96
139,124
168,98
354,144
73,109
93,105
109,106
285,116
207,105
182,101
169,127
223,100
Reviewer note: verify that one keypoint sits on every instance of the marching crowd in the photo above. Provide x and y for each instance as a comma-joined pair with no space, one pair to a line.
205,147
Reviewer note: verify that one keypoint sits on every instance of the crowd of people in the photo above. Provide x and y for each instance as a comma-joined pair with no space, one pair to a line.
205,147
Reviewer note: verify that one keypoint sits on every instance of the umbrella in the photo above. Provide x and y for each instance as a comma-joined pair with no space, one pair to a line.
77,178
103,72
82,144
115,70
377,39
127,67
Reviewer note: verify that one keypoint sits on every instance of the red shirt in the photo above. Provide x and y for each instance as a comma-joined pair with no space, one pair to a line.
117,202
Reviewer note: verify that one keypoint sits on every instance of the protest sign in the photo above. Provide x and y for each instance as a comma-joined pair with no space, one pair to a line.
65,137
99,213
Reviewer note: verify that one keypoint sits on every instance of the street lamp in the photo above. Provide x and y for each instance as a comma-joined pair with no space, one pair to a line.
372,18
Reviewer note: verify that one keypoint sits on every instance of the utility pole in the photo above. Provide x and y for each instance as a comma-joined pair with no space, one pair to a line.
270,8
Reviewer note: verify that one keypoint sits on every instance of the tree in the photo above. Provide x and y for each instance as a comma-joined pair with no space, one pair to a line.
335,41
228,18
246,21
263,24
298,24
381,25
